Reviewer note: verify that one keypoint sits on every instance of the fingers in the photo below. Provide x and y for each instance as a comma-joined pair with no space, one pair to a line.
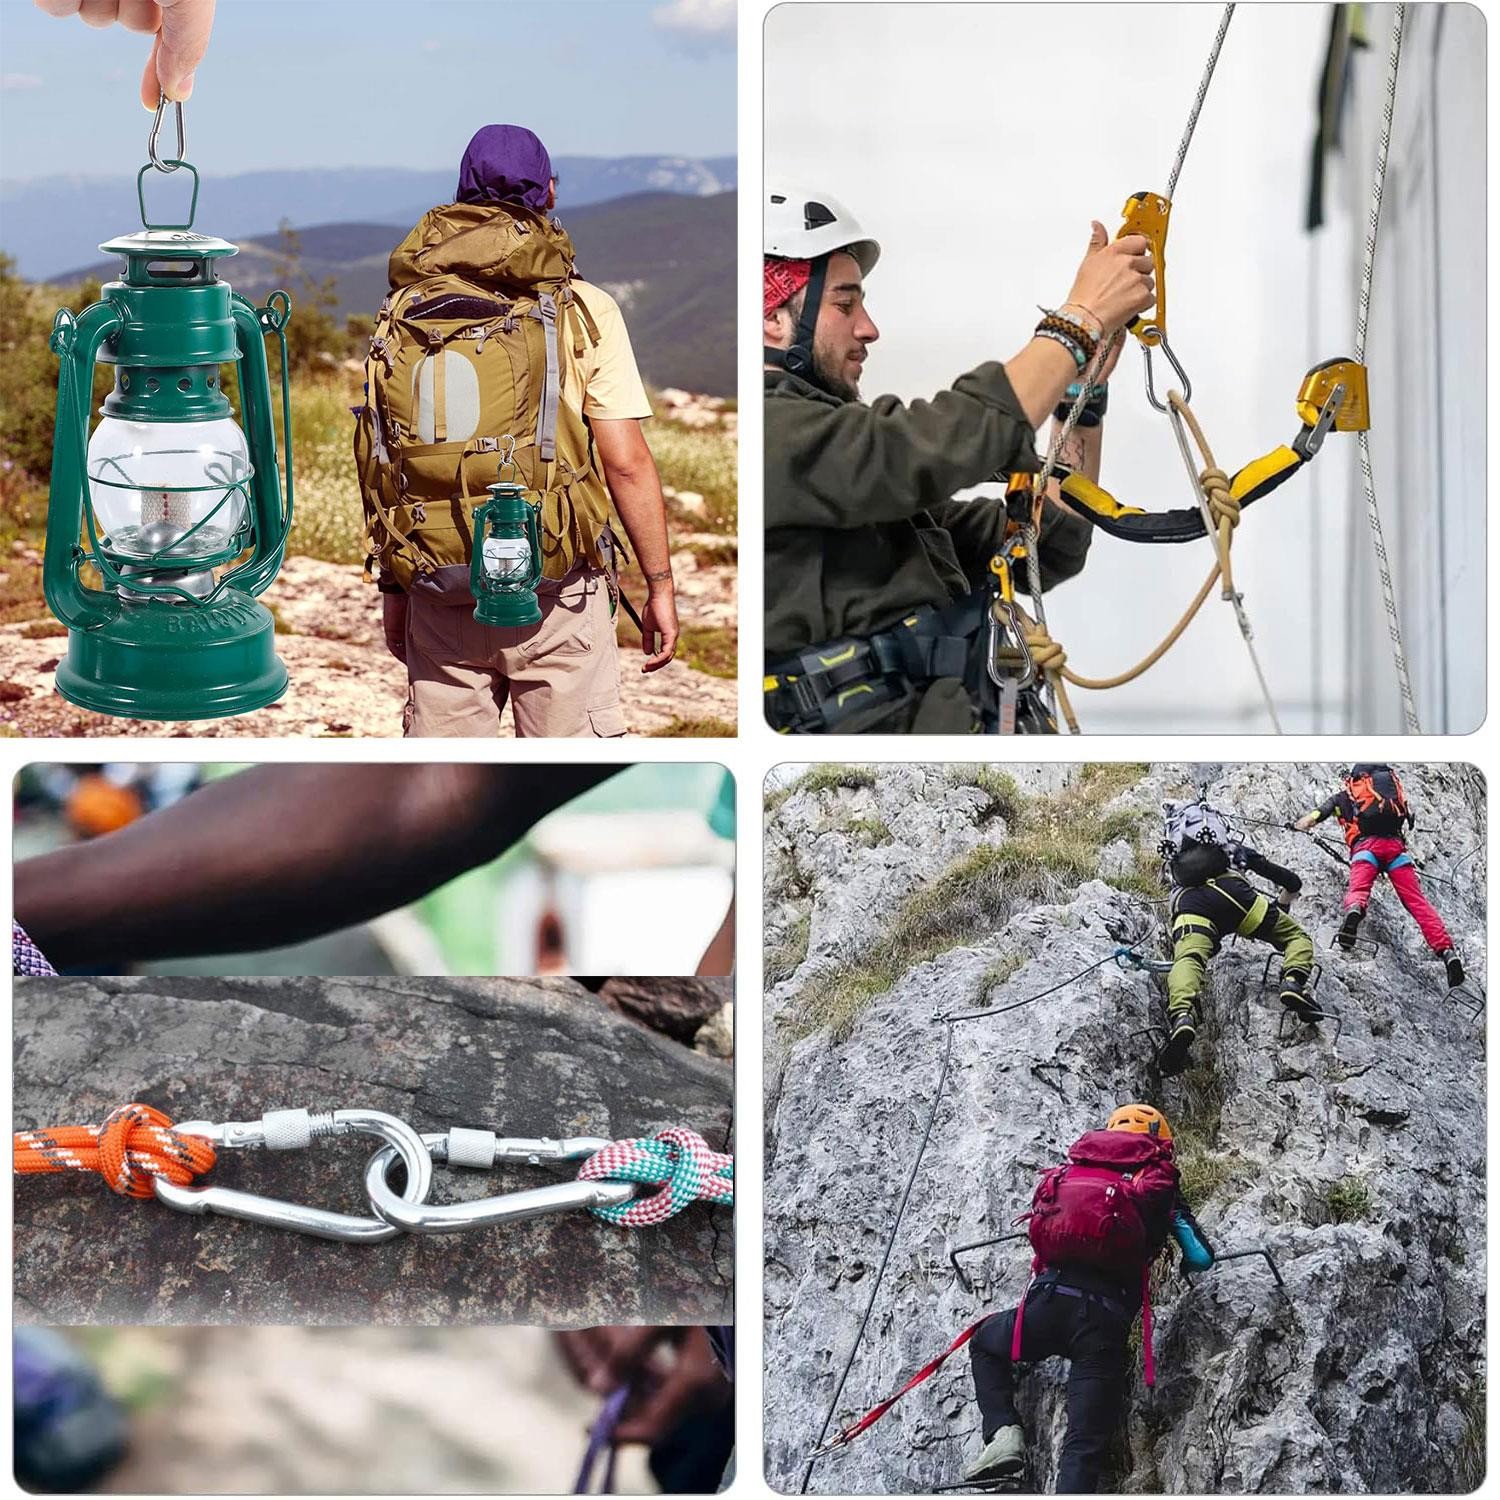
98,12
185,28
58,7
1133,244
140,15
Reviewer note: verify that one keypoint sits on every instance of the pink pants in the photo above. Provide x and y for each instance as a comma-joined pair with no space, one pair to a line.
1373,857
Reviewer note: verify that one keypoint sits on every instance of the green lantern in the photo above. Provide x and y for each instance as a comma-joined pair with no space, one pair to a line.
506,565
168,503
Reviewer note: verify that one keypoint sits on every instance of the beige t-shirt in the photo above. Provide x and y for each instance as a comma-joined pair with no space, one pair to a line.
606,377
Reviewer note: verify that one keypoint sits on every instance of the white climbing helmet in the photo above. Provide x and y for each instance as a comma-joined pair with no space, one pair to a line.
805,225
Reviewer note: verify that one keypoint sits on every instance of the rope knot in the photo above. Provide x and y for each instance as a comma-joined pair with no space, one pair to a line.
678,1161
1222,505
134,1145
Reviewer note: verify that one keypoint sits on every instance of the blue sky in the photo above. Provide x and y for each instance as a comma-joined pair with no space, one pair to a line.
403,83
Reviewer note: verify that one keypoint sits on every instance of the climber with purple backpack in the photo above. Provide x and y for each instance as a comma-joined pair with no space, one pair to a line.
1097,1224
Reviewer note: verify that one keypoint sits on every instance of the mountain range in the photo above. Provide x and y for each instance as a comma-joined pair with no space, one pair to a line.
48,224
667,256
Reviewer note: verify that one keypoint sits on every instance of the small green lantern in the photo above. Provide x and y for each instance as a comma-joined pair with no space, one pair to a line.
179,510
507,563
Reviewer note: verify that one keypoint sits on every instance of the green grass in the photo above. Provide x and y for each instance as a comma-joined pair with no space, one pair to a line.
1348,1201
1205,1171
785,957
1469,1461
829,777
687,729
1004,798
996,975
704,461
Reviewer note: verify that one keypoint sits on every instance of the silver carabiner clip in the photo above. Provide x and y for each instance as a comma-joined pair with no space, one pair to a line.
172,163
999,678
1182,375
480,1150
290,1130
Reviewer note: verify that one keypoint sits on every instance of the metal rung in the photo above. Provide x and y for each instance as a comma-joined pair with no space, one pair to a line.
1362,948
958,1250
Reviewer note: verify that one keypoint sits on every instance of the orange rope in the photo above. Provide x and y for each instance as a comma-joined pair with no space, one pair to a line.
134,1144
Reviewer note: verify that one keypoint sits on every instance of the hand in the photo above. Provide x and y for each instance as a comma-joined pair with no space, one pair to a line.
660,614
181,29
1115,281
393,617
1284,898
666,1389
1305,822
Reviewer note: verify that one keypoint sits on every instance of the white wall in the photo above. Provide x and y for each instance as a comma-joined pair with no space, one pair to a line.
977,141
1427,358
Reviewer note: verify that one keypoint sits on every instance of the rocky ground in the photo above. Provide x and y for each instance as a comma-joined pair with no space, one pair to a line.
266,1411
1356,1155
344,683
519,1056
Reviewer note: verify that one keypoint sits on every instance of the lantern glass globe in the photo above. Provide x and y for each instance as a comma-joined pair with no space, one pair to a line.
153,483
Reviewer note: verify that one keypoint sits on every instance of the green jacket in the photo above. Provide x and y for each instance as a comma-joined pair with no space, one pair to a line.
861,526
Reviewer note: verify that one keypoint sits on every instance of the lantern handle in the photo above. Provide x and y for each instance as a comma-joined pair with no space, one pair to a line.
171,163
140,194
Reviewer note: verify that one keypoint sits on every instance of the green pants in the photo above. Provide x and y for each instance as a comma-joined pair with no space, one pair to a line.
1196,940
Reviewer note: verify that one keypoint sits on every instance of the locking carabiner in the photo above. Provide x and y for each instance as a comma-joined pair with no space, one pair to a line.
290,1130
480,1150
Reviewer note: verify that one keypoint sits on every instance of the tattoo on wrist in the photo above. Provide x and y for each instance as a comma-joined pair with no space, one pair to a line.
659,577
1071,452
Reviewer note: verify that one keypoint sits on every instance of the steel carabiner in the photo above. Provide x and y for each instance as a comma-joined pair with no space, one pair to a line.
1182,375
290,1130
170,163
480,1150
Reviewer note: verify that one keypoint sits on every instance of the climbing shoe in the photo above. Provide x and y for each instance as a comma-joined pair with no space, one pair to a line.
1003,1457
1455,967
1296,999
1344,937
1173,1058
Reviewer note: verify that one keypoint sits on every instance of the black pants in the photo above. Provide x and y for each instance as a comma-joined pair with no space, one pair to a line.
1095,1340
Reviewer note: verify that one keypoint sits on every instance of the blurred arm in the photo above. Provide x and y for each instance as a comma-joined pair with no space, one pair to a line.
279,854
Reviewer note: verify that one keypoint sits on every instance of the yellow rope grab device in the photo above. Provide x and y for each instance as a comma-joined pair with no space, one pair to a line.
1334,397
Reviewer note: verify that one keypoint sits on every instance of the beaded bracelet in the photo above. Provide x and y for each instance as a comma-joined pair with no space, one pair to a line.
1066,340
1073,330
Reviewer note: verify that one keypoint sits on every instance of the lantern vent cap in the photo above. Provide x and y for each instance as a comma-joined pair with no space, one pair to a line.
169,244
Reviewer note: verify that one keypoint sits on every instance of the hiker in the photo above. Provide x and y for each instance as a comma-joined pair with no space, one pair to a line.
875,622
1372,810
1211,900
491,360
1088,1283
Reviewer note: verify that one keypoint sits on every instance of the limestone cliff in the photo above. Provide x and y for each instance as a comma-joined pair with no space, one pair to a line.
1357,1159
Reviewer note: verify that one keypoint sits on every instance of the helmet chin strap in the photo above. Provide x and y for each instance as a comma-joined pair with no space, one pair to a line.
798,359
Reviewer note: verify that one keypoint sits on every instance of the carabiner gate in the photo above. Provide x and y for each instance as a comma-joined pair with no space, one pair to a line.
292,1129
480,1150
1182,375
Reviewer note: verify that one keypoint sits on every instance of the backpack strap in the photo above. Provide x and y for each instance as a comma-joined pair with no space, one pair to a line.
546,422
1020,1319
438,354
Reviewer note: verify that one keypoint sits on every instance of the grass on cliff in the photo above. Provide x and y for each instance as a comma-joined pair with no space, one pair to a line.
786,955
1052,847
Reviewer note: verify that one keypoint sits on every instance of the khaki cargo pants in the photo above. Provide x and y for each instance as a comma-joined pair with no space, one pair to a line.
561,678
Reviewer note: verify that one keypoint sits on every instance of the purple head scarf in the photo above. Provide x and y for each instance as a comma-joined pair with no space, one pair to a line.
505,164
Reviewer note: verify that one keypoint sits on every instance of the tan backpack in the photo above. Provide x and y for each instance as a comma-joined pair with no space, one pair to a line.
464,367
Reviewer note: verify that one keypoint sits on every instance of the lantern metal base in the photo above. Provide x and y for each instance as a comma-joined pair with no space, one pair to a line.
169,661
509,610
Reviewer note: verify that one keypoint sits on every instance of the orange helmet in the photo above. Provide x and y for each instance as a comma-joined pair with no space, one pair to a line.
1142,1119
98,806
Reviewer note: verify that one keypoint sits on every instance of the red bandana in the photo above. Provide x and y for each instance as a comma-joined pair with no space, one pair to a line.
784,279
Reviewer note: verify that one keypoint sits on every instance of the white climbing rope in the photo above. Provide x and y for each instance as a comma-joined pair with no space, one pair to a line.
1192,124
1361,328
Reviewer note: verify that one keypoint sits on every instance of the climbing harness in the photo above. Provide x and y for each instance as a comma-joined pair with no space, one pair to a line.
140,1153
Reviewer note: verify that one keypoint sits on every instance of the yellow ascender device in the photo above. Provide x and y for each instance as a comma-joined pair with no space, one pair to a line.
1147,214
1334,396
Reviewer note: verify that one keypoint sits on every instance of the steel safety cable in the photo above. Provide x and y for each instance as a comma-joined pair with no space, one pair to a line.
1361,329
